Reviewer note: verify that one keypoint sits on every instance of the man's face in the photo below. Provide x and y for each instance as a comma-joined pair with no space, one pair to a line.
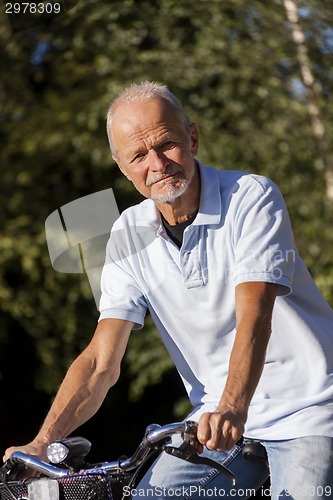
153,148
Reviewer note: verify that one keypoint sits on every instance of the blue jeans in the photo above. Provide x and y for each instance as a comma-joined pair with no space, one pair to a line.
300,469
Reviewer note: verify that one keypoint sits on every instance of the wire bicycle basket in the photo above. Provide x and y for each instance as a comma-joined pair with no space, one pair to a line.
97,485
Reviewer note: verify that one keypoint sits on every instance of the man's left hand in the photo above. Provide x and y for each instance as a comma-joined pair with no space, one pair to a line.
220,430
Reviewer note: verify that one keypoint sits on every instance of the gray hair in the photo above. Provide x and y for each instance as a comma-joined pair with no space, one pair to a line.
142,92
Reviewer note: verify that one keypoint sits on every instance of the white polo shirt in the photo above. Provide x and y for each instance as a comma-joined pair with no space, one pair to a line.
241,233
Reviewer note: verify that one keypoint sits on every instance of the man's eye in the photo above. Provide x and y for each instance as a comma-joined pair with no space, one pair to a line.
138,157
167,145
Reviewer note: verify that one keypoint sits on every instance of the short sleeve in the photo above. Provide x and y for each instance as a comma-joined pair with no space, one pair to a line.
121,296
263,238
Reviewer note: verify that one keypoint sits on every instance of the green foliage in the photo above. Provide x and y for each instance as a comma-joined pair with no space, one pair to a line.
233,64
146,360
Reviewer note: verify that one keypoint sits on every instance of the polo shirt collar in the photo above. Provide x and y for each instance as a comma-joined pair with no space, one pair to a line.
210,199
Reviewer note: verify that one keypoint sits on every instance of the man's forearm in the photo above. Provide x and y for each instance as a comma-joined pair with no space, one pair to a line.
87,381
222,428
79,397
84,387
245,368
254,306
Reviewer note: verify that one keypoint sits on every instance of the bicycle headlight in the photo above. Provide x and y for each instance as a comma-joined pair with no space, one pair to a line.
57,452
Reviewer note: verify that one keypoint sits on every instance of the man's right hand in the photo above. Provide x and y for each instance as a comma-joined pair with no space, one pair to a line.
37,450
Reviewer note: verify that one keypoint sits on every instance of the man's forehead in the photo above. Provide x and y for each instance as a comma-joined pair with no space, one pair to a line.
131,114
135,119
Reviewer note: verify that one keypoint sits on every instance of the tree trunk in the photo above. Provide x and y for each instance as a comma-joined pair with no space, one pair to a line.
318,127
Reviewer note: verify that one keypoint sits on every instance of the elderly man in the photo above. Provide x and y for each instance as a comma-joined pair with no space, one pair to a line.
211,255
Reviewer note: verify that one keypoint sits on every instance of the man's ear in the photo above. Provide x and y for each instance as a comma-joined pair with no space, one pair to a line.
194,134
121,168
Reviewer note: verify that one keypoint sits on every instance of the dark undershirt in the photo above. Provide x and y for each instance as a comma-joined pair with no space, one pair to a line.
176,232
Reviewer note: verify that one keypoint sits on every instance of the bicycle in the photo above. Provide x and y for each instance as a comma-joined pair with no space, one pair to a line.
69,477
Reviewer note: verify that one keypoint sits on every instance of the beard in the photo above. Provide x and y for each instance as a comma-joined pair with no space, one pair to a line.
171,193
173,187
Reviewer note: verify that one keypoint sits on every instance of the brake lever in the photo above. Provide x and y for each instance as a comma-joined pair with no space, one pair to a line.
188,452
10,470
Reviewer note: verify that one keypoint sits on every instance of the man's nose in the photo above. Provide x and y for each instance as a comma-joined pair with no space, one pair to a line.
157,161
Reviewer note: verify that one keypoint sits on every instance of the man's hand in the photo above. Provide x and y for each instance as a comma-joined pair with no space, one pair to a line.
37,450
220,430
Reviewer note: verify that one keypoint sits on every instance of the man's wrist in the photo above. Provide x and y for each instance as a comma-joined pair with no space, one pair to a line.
240,411
43,440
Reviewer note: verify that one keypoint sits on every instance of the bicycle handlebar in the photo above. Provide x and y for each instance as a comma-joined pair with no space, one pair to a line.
153,435
29,461
156,437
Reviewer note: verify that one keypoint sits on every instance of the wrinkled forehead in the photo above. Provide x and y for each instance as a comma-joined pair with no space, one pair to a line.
139,117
